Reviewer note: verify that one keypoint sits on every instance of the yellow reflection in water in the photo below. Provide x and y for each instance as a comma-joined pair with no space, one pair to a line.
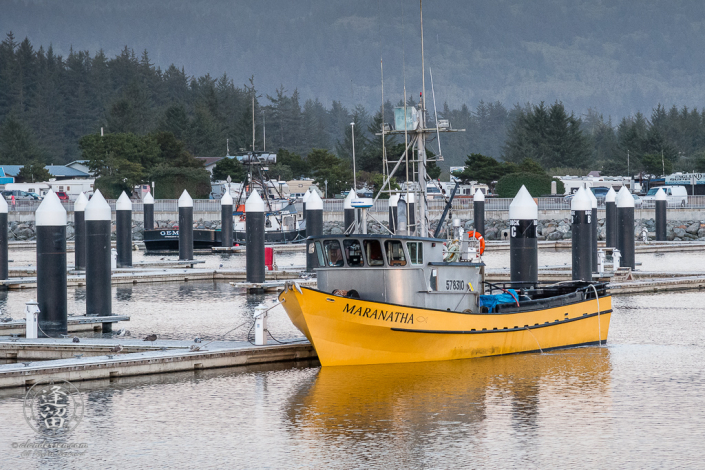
360,402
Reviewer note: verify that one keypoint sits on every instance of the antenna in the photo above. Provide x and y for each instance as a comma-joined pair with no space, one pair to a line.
227,146
253,119
435,113
264,132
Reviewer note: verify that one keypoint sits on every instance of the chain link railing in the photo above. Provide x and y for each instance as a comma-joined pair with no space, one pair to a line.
336,205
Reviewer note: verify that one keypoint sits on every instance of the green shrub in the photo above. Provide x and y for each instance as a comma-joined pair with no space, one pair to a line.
538,185
170,182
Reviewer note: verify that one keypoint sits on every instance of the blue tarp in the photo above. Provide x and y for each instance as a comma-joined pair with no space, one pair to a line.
491,301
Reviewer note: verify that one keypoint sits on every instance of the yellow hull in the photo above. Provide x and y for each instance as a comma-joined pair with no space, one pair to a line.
348,331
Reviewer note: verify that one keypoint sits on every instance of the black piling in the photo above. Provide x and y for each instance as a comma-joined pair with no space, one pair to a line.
581,226
610,219
661,215
314,228
254,237
478,209
98,273
348,212
226,219
148,211
50,219
523,246
185,226
123,231
625,227
4,256
79,226
593,229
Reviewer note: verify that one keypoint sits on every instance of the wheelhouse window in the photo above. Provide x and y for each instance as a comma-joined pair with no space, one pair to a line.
373,251
319,255
334,255
415,250
395,253
353,252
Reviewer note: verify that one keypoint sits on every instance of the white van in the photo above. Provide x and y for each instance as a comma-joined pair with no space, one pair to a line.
677,196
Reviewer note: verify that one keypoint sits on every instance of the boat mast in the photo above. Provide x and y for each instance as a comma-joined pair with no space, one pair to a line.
421,142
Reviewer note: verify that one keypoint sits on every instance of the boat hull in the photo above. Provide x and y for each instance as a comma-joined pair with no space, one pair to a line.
348,331
168,239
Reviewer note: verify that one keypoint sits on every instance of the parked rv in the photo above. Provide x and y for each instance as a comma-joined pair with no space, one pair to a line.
40,189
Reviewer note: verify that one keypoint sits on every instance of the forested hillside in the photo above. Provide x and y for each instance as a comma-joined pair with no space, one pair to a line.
620,57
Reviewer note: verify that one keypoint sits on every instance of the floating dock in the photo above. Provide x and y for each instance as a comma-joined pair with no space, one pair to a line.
137,276
289,247
75,323
92,359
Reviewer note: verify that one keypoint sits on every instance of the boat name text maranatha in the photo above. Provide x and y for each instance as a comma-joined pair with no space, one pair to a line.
396,317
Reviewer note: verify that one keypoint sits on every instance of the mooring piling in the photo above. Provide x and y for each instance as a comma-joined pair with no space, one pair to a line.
185,226
4,256
523,246
593,229
625,227
661,215
411,214
478,209
123,230
610,219
226,220
254,238
79,226
50,219
98,262
581,226
148,211
314,227
349,212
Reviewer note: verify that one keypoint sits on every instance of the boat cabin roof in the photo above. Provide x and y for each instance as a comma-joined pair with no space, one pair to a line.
372,251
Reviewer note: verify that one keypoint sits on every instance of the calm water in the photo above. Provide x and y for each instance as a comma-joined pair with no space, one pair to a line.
637,403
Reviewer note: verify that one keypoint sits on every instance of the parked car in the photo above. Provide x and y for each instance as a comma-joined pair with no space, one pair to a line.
62,196
600,193
19,195
675,195
637,200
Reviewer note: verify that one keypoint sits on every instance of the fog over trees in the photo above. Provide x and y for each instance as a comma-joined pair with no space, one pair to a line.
602,79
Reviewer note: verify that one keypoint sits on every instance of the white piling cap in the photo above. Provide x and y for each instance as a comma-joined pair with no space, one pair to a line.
306,196
593,199
227,199
255,203
347,203
50,212
393,200
412,198
624,198
660,195
314,202
611,195
581,201
148,199
523,206
479,196
80,204
123,203
3,205
98,208
185,200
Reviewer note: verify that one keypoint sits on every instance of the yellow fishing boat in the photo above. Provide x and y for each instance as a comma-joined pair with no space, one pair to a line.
378,302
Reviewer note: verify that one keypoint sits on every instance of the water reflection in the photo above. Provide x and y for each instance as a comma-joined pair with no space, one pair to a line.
425,401
124,294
